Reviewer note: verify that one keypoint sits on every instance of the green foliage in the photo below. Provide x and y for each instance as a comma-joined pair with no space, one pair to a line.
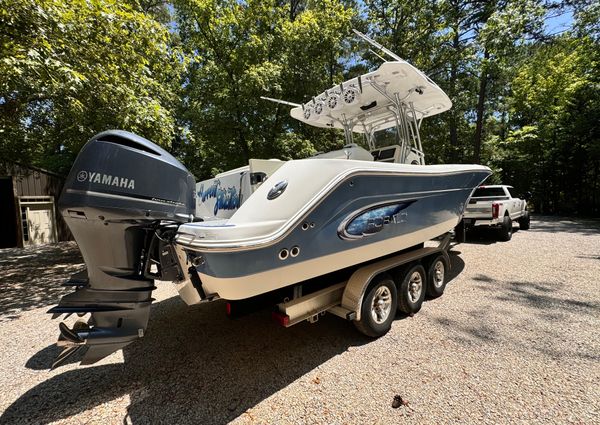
189,76
71,69
554,144
241,51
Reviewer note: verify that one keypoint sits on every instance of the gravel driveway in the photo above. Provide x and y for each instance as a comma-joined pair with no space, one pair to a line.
515,338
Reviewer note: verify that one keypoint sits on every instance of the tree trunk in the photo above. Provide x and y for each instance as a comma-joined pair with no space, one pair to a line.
294,9
483,80
243,143
595,190
451,153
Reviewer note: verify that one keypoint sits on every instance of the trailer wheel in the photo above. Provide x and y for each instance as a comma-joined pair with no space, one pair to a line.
506,229
411,289
436,276
524,221
378,308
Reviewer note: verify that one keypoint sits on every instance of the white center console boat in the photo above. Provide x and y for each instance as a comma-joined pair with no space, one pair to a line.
138,215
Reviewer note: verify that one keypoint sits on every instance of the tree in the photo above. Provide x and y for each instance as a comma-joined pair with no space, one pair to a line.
189,76
501,26
554,144
242,50
71,69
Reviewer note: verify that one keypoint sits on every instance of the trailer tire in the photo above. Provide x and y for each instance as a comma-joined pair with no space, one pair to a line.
524,221
436,276
378,307
412,285
506,229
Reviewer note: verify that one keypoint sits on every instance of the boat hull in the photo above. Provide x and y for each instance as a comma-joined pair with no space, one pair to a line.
366,216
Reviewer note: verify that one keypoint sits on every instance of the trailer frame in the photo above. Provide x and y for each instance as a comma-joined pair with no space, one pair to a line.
345,299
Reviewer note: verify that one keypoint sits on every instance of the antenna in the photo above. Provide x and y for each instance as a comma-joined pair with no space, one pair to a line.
377,54
376,44
283,102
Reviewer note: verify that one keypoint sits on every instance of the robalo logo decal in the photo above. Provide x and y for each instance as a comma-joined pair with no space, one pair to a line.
372,219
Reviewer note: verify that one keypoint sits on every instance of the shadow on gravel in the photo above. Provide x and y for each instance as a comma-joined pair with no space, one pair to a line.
194,364
32,277
540,297
482,236
43,359
457,265
588,257
546,304
486,235
562,224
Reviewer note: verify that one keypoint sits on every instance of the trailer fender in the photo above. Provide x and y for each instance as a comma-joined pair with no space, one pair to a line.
361,278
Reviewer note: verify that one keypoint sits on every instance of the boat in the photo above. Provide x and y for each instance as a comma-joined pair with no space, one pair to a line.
309,217
138,215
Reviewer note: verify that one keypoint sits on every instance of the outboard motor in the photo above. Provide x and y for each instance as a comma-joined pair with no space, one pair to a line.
122,199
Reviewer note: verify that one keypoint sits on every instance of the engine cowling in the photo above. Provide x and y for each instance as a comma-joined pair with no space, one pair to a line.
121,191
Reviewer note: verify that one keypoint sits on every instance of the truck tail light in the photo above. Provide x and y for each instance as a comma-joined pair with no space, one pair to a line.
495,210
282,319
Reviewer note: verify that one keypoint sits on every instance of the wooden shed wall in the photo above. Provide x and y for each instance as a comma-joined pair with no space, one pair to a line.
36,182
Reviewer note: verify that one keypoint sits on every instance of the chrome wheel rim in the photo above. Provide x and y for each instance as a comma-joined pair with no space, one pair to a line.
438,274
415,287
381,305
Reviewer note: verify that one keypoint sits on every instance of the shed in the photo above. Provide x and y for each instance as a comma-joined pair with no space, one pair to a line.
28,212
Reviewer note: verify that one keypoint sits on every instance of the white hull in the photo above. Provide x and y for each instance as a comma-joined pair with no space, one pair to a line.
251,285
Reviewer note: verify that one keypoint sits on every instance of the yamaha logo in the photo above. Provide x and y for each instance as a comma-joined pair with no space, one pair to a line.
82,176
105,179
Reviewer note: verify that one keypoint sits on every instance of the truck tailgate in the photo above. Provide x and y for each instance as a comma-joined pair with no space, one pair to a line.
481,209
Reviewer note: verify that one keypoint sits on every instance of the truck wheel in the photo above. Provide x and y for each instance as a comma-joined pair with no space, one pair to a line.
460,232
524,221
411,289
506,229
378,308
436,276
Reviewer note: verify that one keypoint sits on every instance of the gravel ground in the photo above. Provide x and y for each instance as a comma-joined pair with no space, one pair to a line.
513,339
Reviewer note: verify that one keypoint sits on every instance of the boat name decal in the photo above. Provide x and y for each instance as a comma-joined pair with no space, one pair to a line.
227,198
105,179
372,219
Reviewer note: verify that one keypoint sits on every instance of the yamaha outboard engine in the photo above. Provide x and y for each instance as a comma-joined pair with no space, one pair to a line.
123,196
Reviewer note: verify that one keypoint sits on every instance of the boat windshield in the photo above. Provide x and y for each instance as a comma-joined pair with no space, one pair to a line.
387,137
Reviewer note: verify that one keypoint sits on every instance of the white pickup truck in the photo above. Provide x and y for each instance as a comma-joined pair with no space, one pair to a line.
495,206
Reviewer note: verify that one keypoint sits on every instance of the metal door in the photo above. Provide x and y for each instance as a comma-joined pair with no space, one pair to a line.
38,223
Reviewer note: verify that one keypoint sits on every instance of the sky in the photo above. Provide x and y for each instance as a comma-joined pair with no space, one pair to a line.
559,23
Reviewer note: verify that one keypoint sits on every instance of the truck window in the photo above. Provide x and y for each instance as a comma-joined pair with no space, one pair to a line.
489,192
508,190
